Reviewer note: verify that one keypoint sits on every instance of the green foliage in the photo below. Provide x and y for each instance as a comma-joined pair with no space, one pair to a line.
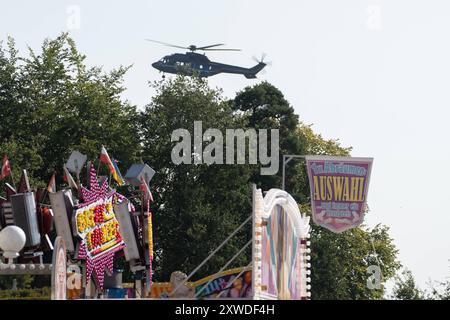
51,104
340,262
22,282
313,144
405,287
263,106
26,294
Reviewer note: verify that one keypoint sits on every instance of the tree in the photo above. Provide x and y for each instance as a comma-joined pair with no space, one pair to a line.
405,287
263,106
51,103
339,261
313,144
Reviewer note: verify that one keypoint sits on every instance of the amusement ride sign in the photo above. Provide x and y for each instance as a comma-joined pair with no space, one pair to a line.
339,188
96,223
98,228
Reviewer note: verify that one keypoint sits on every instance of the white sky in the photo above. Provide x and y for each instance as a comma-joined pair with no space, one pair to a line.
373,73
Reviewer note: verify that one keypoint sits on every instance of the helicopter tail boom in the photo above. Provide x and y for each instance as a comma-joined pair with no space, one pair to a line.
251,74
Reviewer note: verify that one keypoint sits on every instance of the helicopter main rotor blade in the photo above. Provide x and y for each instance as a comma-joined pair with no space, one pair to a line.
193,47
213,45
167,44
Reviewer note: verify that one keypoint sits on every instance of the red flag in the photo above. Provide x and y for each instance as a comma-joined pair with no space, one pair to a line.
104,157
6,168
146,190
51,187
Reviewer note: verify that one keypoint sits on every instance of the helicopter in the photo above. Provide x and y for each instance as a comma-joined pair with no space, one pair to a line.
191,62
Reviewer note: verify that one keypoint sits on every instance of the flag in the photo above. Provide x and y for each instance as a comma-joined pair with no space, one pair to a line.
146,190
6,168
68,179
104,157
51,187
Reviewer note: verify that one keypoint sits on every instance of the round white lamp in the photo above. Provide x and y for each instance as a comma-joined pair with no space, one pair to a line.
12,240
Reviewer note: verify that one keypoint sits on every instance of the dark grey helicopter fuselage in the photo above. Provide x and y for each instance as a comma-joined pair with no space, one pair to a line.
194,63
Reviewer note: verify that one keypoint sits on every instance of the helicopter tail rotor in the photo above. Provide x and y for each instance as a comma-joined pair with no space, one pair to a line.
262,60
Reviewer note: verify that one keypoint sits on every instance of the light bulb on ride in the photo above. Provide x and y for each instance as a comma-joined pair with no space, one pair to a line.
12,240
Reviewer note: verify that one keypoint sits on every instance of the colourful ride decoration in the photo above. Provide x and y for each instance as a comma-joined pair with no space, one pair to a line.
98,228
339,187
232,283
280,249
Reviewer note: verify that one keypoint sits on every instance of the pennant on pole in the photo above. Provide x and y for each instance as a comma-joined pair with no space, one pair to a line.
117,175
6,168
113,169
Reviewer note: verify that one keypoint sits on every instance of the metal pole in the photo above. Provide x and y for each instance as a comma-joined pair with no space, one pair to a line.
212,253
286,159
12,179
